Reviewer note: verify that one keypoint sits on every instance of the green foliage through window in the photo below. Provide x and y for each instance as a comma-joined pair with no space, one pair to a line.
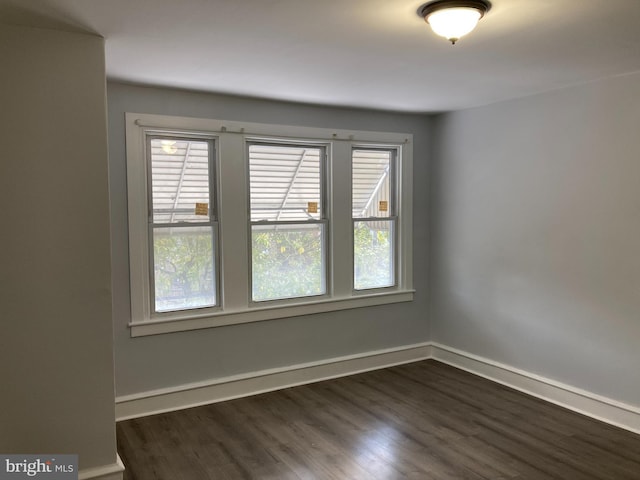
373,254
287,262
184,269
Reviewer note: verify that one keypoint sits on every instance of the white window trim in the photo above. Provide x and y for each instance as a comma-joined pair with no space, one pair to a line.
235,305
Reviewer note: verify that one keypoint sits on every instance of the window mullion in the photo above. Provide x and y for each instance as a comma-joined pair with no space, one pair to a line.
234,240
341,231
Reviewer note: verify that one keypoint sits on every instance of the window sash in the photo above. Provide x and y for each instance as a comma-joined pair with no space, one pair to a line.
213,235
393,257
322,180
290,227
209,221
211,177
392,174
391,217
321,220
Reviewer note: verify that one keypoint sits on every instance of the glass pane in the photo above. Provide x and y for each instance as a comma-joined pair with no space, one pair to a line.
184,269
287,261
179,180
373,254
371,184
285,182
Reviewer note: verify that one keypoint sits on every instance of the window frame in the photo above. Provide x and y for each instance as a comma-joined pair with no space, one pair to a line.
393,218
324,219
212,223
232,202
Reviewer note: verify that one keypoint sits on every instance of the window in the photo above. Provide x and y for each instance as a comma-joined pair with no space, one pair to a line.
235,222
374,218
288,221
182,223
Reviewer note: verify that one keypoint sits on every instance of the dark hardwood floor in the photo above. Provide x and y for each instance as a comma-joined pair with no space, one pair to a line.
423,420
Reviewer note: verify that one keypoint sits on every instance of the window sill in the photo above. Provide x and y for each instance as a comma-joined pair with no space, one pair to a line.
157,327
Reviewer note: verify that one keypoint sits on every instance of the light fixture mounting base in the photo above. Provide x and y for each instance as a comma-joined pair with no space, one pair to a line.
483,6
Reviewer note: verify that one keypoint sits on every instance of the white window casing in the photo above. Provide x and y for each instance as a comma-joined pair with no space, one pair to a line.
233,224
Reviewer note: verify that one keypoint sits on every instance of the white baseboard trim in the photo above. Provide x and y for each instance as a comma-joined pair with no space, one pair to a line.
113,471
217,390
581,401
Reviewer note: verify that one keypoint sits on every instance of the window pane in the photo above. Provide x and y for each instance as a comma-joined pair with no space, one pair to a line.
373,254
371,195
179,179
184,270
285,182
287,261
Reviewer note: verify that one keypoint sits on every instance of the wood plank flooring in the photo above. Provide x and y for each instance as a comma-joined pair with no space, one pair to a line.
423,420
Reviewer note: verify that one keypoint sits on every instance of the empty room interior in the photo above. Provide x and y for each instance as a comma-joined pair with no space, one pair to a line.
282,239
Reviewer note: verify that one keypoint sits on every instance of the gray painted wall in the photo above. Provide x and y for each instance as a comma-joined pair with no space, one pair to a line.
174,359
536,214
56,356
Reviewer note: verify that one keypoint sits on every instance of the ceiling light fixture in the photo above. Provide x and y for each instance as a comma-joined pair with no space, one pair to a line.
452,19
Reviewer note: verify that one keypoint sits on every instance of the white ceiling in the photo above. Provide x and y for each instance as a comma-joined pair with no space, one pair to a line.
364,53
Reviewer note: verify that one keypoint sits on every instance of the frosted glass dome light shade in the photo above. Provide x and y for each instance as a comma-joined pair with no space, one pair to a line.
453,23
453,19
